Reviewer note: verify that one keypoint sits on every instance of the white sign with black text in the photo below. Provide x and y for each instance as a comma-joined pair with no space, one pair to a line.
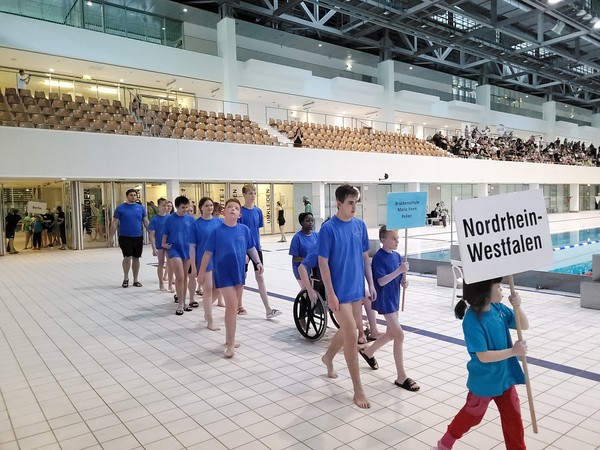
503,234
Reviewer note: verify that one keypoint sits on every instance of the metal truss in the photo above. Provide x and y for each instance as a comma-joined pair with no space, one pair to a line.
525,45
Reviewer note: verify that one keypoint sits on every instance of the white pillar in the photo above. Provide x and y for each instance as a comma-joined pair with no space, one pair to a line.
481,190
533,186
596,120
318,202
385,77
414,187
574,197
172,189
226,47
549,116
484,98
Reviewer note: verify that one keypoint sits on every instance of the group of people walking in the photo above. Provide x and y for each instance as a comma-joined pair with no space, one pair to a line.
214,252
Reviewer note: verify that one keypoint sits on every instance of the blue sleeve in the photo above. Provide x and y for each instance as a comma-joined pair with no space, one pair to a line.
144,212
324,243
211,242
474,334
167,226
117,214
261,222
295,246
249,243
365,240
192,234
377,267
152,225
311,261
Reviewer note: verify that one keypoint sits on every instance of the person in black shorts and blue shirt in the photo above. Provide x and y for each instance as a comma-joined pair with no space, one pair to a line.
129,217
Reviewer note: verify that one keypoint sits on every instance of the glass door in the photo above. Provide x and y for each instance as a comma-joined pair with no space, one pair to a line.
216,191
94,220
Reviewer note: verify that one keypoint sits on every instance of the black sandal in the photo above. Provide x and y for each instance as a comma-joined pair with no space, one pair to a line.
194,304
125,283
137,284
188,309
179,312
175,298
370,361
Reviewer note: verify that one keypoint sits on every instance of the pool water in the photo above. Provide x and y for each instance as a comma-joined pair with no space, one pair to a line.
573,252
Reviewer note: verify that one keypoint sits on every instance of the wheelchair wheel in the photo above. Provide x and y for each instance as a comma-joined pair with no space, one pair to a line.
311,321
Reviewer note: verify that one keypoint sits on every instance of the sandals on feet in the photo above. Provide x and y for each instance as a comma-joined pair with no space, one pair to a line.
137,284
409,384
372,362
188,309
175,298
179,312
125,283
242,311
194,304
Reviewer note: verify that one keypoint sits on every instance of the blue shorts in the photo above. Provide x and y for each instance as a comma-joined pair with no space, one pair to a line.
385,306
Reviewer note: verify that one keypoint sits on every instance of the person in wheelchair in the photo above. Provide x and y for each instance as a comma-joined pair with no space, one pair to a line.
310,278
303,243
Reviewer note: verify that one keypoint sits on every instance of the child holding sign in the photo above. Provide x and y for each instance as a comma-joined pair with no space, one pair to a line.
493,368
388,275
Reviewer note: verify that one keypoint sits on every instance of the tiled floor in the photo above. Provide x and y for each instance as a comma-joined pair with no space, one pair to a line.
85,363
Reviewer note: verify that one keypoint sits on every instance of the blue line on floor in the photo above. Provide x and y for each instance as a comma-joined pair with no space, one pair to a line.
452,340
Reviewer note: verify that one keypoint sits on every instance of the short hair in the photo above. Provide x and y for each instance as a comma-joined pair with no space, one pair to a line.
247,188
59,208
345,191
161,200
303,216
129,191
203,200
477,295
383,231
233,200
181,200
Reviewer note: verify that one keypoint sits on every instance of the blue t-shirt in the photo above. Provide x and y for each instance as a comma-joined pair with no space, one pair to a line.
253,219
200,231
311,262
388,296
229,246
157,224
491,332
301,246
177,229
130,219
343,244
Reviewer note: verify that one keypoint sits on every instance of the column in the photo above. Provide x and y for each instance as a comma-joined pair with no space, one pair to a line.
385,77
549,116
484,97
172,189
574,197
533,186
414,187
318,203
596,120
481,190
226,47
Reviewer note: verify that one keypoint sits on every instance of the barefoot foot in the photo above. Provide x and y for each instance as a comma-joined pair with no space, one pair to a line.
331,373
212,327
361,400
229,352
237,344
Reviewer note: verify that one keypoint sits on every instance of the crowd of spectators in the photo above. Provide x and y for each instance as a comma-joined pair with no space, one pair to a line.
481,145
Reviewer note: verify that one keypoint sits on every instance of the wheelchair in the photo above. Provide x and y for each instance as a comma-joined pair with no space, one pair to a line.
311,320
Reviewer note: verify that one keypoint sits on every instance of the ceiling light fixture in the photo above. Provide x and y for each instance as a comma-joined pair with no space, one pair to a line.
597,25
386,13
89,3
51,70
320,45
559,27
184,9
587,17
581,12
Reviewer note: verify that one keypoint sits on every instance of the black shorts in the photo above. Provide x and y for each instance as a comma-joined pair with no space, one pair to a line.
260,256
10,234
131,246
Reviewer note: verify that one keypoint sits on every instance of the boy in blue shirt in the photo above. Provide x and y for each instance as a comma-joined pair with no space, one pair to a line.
343,249
177,243
389,273
252,217
228,246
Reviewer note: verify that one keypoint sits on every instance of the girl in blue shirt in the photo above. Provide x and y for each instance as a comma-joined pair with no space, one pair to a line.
389,273
493,368
228,245
303,243
200,231
157,224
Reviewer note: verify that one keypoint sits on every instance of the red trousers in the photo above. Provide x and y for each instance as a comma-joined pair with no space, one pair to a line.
474,410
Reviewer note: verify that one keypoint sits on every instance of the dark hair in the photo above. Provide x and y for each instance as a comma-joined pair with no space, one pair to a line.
181,200
345,191
233,200
477,295
203,200
59,208
383,231
303,216
129,191
161,200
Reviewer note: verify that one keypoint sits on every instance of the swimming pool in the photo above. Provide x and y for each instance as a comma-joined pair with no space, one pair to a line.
573,252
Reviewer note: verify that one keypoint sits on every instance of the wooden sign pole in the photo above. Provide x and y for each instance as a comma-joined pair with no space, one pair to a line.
524,359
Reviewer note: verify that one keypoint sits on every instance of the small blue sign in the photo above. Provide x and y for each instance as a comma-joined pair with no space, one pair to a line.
406,210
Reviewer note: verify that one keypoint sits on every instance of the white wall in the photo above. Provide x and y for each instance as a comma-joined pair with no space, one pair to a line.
46,154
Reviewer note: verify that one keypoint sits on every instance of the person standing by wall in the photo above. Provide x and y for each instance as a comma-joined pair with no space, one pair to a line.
60,218
281,221
22,80
12,220
307,204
